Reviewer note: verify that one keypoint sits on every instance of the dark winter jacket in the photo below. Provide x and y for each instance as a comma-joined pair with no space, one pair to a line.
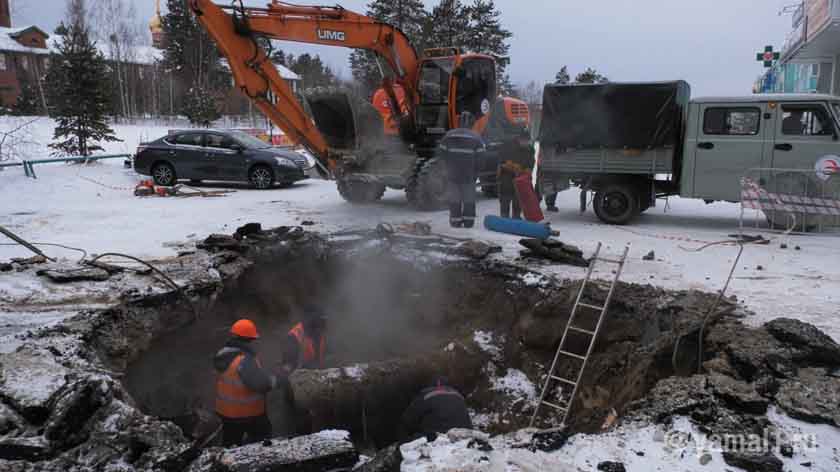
461,149
252,375
435,410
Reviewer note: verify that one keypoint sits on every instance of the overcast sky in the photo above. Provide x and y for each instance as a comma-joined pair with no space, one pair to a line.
709,43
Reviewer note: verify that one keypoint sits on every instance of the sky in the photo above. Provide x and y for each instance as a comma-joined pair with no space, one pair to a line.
709,43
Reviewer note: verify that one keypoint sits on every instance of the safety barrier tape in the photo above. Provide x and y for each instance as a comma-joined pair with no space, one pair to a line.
756,198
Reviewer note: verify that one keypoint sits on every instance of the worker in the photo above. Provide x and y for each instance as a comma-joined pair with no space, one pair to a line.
518,159
241,387
306,344
461,148
435,410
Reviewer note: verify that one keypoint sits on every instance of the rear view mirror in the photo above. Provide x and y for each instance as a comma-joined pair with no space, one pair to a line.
237,147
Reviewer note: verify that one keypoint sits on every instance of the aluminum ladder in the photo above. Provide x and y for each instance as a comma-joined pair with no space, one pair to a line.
564,404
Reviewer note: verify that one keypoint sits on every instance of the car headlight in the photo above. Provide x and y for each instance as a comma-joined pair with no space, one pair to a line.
283,162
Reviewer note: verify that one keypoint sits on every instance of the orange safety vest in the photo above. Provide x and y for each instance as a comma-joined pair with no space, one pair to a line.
308,356
233,398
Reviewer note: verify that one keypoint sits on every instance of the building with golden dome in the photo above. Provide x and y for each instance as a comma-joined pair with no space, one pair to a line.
156,27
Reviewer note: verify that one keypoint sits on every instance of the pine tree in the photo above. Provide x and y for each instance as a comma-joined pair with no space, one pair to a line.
201,107
409,16
590,76
449,24
313,70
488,36
486,33
79,92
191,54
563,77
29,101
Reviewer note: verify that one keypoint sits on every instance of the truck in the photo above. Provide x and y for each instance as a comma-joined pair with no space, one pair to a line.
633,143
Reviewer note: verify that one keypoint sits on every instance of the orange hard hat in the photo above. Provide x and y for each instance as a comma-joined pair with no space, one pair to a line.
244,329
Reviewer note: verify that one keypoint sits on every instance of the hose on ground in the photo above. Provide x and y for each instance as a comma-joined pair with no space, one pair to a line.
154,269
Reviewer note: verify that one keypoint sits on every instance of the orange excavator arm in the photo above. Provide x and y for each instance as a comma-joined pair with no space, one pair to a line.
235,30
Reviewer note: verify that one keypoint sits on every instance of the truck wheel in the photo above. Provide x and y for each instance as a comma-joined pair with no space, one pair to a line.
357,191
616,204
431,184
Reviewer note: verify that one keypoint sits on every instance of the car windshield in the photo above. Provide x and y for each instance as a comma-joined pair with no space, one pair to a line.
248,141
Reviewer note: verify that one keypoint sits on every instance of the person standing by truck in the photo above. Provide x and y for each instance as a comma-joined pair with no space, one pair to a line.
518,159
461,149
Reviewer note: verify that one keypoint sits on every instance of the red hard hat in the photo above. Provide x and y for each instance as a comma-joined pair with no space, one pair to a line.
244,329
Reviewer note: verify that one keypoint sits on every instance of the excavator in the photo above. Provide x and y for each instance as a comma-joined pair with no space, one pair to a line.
367,147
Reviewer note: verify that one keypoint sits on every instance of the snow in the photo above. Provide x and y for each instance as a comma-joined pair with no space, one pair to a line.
484,339
646,448
92,207
65,205
334,435
515,384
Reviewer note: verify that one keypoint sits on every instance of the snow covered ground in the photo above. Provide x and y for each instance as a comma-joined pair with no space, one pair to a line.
643,448
92,207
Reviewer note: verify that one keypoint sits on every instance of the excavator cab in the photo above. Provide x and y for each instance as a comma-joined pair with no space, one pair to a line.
450,83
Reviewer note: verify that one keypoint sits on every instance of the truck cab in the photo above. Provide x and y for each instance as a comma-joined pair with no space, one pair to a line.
632,143
728,138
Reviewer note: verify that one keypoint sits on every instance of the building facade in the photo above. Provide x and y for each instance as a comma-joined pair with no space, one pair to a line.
810,58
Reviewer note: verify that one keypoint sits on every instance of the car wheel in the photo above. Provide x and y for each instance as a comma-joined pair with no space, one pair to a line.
261,177
164,174
616,204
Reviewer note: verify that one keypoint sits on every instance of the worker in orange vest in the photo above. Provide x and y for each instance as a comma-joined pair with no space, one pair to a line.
241,387
307,343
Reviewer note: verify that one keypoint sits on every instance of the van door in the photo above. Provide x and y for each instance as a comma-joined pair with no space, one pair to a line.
805,133
730,142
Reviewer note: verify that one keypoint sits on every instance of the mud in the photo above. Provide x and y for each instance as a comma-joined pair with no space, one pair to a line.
102,387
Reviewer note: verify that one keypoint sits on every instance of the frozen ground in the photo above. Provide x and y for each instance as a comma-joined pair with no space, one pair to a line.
92,207
640,448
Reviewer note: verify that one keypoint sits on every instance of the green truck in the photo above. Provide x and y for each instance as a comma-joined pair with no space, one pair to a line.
632,143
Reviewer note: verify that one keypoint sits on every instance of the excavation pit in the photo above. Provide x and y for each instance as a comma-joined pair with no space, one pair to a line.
404,310
399,318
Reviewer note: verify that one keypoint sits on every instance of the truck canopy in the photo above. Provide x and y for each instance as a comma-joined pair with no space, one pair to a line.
614,115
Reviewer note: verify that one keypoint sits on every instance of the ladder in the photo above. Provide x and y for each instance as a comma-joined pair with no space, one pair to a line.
564,403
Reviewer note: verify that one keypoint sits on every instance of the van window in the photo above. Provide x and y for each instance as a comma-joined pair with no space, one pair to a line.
806,120
732,121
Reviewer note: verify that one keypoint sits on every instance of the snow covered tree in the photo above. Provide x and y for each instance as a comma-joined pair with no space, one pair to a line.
407,15
79,91
590,76
563,77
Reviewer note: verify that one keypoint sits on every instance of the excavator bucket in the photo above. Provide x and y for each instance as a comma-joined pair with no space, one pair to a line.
347,122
